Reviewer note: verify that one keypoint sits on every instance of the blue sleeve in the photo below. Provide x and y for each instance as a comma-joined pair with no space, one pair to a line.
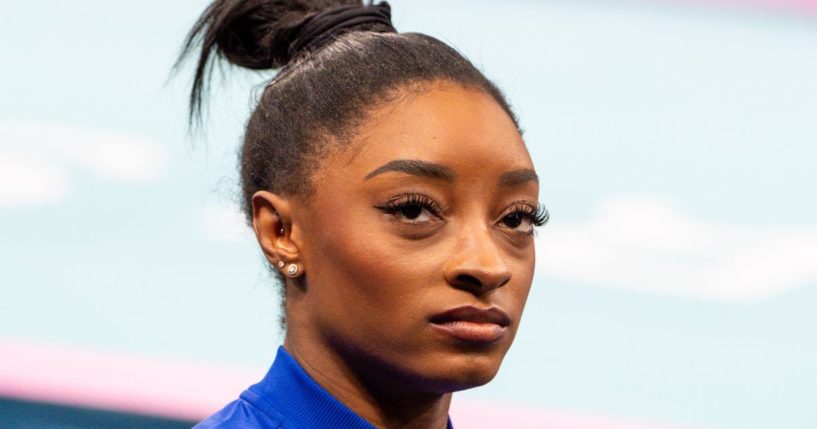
239,414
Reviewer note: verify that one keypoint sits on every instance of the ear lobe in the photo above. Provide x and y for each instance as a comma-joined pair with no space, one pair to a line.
272,222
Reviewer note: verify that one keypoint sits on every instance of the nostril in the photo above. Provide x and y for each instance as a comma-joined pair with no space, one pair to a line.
477,283
468,280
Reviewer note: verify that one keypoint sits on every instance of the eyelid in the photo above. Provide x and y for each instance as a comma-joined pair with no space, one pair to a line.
397,201
526,206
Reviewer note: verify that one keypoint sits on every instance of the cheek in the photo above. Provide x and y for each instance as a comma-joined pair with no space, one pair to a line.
524,281
362,281
526,265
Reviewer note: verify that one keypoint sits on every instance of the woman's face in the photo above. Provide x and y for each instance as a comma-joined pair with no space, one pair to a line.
417,244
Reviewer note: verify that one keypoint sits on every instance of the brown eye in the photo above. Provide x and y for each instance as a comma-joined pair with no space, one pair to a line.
412,208
524,216
518,221
513,220
411,211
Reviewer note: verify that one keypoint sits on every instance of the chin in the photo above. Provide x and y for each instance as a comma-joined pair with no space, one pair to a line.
466,370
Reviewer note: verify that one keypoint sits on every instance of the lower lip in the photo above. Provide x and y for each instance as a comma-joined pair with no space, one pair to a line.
472,331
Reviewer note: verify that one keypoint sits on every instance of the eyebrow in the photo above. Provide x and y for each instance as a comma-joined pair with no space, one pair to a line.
441,172
518,177
415,168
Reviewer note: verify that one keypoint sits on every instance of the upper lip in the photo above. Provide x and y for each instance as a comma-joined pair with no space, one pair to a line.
469,313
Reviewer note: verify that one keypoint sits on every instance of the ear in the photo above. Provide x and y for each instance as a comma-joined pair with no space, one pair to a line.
272,222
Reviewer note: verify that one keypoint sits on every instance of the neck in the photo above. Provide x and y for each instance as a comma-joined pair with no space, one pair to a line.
375,393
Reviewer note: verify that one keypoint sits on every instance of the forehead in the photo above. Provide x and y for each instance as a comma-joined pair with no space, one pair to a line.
461,128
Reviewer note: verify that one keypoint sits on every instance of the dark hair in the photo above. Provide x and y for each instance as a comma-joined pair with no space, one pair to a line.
322,93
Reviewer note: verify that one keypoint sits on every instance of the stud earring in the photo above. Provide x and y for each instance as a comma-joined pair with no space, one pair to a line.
281,264
292,270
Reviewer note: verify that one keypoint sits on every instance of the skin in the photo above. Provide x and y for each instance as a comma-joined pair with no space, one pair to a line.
370,280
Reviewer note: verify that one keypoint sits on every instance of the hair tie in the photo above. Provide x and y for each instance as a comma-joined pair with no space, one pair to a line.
325,26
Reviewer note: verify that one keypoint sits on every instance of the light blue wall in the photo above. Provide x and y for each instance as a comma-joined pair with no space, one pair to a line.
676,144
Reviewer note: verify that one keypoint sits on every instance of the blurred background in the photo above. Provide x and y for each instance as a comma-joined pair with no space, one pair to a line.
676,284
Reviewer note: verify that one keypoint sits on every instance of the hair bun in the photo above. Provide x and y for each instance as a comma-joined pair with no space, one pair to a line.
267,34
322,28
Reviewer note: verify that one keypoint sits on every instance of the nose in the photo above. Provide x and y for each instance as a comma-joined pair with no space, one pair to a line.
477,266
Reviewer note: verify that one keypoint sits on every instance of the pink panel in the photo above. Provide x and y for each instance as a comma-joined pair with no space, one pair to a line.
117,382
187,390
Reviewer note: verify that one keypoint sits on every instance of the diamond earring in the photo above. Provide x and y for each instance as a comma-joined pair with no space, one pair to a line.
292,270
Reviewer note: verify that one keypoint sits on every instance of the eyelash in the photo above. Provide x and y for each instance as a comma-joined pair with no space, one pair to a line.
538,215
404,201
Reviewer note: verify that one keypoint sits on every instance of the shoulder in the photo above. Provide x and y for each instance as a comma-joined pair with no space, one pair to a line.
242,414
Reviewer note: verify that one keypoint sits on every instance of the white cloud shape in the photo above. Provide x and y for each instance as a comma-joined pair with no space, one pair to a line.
646,243
37,160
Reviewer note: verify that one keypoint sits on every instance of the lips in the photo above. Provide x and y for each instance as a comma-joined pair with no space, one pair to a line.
472,324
